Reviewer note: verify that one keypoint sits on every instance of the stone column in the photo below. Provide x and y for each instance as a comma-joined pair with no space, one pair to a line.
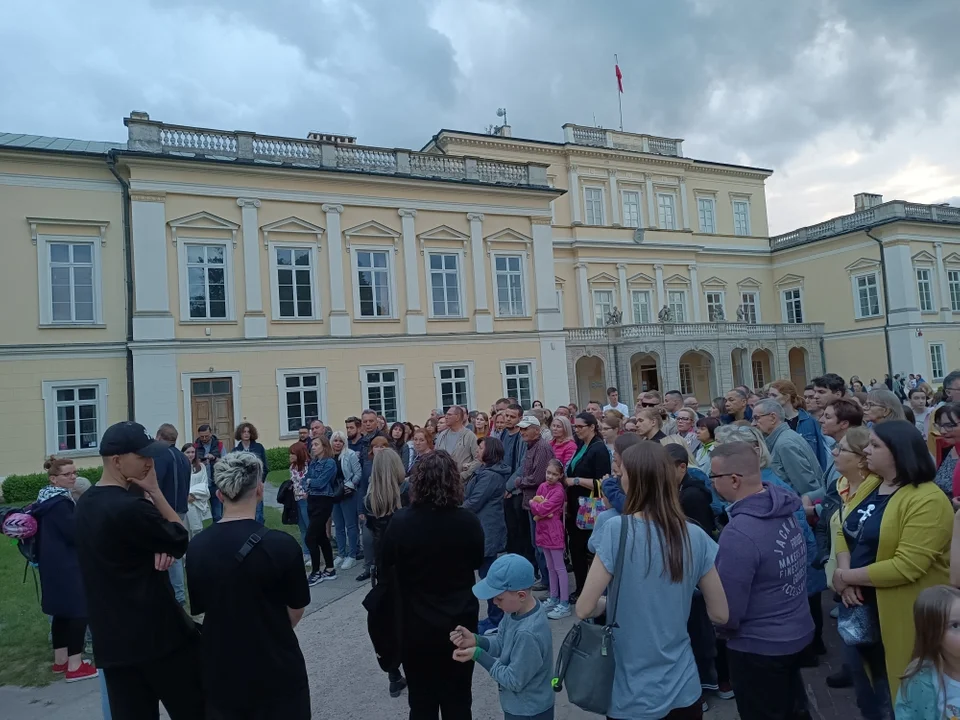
725,368
573,192
339,317
946,307
684,212
548,314
695,291
254,319
671,367
652,217
661,292
624,292
482,317
583,293
152,319
415,321
615,199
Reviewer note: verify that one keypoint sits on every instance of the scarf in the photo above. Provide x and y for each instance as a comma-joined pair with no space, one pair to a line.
51,491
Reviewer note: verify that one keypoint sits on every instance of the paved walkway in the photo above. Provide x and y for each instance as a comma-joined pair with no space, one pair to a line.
338,654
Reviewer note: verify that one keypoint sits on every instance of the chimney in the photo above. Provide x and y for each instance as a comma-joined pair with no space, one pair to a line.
332,138
865,201
505,131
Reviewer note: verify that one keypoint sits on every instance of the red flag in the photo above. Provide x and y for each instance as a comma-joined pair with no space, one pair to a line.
619,77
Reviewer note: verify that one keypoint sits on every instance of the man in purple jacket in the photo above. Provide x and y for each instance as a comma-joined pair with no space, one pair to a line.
762,562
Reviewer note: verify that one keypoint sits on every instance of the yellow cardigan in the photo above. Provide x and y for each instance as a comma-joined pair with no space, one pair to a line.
913,554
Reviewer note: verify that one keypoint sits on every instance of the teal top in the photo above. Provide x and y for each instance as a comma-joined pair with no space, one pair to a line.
920,697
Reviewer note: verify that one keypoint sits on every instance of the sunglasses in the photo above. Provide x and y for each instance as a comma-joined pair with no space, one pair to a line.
649,404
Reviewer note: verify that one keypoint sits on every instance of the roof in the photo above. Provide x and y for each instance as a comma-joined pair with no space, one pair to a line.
57,144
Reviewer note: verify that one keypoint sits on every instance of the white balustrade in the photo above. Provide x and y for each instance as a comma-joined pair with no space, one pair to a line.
596,137
662,146
711,331
501,172
444,166
285,149
353,157
179,139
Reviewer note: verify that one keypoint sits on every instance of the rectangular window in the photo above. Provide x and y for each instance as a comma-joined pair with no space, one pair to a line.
509,271
707,213
593,205
518,383
792,307
748,303
666,209
741,217
294,282
454,386
868,295
382,389
677,300
76,415
445,285
925,290
758,379
938,361
715,306
641,306
631,209
71,282
602,306
207,282
686,379
301,400
953,282
373,281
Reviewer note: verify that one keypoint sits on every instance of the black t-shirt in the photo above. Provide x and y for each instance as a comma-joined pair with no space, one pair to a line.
861,529
246,624
134,616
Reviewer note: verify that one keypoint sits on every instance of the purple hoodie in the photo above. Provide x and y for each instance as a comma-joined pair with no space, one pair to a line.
762,562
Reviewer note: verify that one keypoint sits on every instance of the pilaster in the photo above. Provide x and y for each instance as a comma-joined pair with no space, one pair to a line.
415,321
651,204
583,295
573,193
946,309
695,290
615,199
661,293
684,212
254,319
624,295
339,317
482,315
152,319
548,314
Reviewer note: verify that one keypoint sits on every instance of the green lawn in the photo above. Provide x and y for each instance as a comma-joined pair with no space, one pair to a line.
25,653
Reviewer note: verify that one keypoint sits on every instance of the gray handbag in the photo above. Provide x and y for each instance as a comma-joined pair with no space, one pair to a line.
586,659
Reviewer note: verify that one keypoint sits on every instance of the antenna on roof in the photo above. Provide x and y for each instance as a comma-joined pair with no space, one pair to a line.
501,130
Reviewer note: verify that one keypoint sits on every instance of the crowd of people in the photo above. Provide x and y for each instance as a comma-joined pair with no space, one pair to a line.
738,516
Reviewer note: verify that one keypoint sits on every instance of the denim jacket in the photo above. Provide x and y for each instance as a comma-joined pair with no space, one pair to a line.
321,477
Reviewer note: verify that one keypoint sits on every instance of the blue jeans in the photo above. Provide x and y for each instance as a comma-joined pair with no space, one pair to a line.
175,573
541,558
345,526
873,698
302,522
104,700
216,507
494,613
259,515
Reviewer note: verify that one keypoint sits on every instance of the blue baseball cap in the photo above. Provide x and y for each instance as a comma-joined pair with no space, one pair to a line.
508,572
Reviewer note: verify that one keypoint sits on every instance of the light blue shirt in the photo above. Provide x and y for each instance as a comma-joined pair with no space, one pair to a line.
655,668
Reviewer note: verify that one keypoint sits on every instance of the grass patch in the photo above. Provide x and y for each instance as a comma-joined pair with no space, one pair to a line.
25,652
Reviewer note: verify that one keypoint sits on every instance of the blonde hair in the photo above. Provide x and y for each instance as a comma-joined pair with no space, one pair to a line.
383,494
931,619
747,434
567,427
678,440
651,414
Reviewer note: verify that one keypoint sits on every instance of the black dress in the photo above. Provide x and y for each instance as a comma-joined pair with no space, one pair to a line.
594,464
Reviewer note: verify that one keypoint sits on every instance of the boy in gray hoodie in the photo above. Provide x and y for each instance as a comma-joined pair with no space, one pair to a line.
520,657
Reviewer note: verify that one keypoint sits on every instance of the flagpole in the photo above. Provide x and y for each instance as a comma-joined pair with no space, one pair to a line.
616,60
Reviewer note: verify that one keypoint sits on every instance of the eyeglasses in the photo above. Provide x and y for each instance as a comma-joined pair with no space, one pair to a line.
761,415
836,450
714,476
648,404
948,425
579,427
952,389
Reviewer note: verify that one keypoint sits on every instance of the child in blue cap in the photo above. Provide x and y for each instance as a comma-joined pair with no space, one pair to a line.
520,657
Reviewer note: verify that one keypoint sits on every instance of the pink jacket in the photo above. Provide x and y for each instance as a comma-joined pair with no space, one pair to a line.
564,451
549,529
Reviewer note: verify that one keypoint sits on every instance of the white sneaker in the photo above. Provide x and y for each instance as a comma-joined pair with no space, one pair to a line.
550,603
348,563
306,561
561,610
338,562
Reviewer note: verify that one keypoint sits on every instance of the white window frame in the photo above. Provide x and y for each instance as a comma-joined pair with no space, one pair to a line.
745,231
686,378
45,283
704,228
857,306
722,302
532,364
953,285
673,208
524,285
601,319
275,281
942,348
282,375
929,282
756,304
587,203
623,205
227,246
460,255
400,383
683,305
637,320
391,278
756,373
470,378
783,305
49,394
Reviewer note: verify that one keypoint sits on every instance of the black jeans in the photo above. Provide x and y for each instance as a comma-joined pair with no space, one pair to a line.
136,691
319,508
438,685
768,687
518,528
580,555
68,633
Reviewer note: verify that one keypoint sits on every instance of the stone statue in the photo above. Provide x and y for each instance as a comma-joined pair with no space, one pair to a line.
665,315
740,314
716,314
614,317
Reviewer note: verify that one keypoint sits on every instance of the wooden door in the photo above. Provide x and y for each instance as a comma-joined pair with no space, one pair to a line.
211,401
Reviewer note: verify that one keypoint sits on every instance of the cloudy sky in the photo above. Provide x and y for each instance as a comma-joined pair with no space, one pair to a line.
837,96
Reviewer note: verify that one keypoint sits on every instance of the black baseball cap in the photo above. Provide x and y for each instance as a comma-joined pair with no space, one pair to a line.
130,437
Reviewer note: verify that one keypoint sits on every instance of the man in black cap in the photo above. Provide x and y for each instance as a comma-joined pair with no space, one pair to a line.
146,645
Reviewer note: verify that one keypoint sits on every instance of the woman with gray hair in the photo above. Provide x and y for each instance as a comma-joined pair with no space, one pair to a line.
248,581
883,406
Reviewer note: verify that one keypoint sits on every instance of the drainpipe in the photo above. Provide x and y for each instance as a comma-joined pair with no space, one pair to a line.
886,303
127,274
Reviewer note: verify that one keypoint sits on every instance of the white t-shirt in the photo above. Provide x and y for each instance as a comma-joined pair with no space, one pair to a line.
624,410
921,420
950,706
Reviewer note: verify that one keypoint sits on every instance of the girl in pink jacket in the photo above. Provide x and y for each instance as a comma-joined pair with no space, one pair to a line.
547,509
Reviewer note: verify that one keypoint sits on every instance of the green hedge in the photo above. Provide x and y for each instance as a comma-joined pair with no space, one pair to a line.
278,458
25,488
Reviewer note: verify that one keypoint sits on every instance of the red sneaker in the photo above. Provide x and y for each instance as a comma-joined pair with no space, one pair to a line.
59,669
86,670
